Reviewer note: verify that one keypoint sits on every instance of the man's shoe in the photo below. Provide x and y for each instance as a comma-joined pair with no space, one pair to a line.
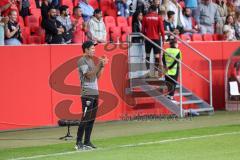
79,146
89,145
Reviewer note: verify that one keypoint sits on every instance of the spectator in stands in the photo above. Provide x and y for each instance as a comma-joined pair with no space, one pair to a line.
141,5
79,27
189,22
137,25
122,8
96,28
65,20
164,6
45,6
38,3
237,25
193,5
87,10
7,6
237,5
169,26
207,17
231,8
3,21
157,3
54,29
177,9
153,28
228,29
55,3
222,9
13,34
24,8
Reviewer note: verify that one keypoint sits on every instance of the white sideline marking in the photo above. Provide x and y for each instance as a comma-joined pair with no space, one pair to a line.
130,145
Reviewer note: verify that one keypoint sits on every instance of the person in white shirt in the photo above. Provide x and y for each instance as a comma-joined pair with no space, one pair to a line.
228,29
96,28
190,26
177,9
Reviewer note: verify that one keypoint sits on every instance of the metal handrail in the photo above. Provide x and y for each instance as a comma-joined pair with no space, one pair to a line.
203,56
199,53
181,63
156,45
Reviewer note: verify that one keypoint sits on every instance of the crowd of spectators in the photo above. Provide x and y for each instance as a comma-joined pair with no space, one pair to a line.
63,25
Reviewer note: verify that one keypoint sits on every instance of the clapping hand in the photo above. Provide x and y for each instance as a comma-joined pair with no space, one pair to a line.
103,59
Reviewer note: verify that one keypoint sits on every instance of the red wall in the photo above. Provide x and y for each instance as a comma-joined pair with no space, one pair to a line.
38,83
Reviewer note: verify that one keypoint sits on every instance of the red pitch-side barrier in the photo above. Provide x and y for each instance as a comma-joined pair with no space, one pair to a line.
40,84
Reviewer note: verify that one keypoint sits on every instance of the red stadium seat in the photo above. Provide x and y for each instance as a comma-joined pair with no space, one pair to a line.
32,20
111,12
127,29
124,37
34,40
208,37
122,22
79,37
108,8
94,3
26,30
116,37
32,4
115,34
218,37
39,32
75,2
197,37
25,36
110,21
185,37
68,3
21,22
105,5
130,21
35,11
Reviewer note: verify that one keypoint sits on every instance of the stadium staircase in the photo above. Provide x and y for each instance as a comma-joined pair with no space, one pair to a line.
149,91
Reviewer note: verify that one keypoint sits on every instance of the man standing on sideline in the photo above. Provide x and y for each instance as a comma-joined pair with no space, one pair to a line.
153,28
89,73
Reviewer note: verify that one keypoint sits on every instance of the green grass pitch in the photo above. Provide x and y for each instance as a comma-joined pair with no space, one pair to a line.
214,137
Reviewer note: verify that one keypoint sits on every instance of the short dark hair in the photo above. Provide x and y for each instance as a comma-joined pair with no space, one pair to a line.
76,8
87,45
170,13
172,42
63,8
97,11
152,8
185,9
50,8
